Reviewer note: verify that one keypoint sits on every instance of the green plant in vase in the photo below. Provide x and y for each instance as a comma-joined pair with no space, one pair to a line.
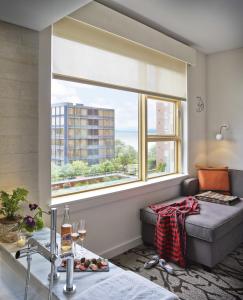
12,220
11,204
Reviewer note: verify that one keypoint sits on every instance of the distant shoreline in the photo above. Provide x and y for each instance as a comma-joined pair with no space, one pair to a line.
129,137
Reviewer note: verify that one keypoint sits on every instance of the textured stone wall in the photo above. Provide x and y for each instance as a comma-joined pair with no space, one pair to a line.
18,109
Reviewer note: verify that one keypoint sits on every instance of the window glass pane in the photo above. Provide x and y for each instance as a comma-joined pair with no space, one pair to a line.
99,137
83,122
70,111
160,116
83,112
161,158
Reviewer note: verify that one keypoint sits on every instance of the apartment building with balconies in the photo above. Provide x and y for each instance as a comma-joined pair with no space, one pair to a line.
82,133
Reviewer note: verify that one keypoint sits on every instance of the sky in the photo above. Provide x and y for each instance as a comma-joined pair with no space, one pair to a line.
124,103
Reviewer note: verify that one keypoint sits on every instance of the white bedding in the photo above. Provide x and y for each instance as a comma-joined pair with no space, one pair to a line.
127,286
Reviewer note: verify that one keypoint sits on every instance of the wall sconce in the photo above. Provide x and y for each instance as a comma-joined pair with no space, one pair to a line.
200,105
219,136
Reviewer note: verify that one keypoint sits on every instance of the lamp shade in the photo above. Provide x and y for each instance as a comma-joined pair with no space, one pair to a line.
219,136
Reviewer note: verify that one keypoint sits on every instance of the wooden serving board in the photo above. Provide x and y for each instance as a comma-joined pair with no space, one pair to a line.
79,267
62,269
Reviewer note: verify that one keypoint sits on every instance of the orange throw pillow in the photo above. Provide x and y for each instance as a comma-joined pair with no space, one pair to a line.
214,179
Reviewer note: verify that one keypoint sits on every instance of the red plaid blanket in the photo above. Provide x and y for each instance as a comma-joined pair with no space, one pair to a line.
170,233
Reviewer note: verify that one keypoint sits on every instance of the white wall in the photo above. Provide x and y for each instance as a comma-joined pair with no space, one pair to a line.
115,227
18,109
225,105
112,227
113,219
113,224
197,146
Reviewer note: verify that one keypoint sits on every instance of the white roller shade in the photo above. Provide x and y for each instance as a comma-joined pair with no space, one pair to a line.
85,52
103,17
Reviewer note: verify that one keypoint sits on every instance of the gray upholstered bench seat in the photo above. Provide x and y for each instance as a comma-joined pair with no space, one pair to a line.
213,222
213,233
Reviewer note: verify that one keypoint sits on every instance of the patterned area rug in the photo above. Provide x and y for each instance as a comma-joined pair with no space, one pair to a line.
225,282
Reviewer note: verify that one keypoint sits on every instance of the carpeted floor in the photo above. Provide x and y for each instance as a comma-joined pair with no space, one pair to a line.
225,282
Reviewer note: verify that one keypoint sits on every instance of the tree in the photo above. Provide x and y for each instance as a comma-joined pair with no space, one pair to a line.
151,164
116,165
152,152
161,167
94,170
152,158
124,154
119,147
80,168
106,166
55,172
67,171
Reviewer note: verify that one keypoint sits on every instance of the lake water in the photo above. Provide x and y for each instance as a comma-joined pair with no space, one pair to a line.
129,137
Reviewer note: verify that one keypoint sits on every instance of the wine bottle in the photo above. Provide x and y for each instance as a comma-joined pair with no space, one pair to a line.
66,231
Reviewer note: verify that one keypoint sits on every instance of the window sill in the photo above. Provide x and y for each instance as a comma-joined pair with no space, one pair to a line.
104,196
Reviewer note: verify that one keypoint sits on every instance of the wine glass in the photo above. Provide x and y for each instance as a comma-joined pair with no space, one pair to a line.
82,234
75,237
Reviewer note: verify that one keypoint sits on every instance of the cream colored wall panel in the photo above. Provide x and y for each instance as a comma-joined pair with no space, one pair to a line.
9,88
28,90
33,194
19,109
17,71
13,108
29,38
19,179
18,163
18,126
18,144
15,179
14,90
18,35
18,53
11,33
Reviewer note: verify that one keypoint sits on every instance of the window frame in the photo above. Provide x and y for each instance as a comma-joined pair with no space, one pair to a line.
146,138
143,137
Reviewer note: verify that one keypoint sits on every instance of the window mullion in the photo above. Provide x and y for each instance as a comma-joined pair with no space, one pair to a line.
142,137
179,135
160,138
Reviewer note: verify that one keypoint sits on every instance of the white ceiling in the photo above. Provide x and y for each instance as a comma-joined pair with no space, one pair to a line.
208,25
37,14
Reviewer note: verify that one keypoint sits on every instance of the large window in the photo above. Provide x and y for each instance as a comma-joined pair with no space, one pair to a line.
103,136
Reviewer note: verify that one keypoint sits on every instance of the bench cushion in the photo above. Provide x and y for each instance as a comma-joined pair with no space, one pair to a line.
213,222
236,178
